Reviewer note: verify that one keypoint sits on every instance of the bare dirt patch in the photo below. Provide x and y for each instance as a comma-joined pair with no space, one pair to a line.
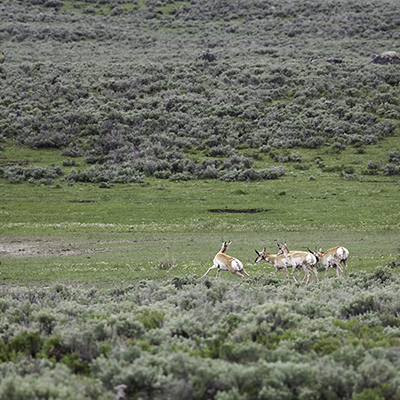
40,246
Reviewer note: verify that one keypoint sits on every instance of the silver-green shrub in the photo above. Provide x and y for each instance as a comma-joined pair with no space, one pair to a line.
187,337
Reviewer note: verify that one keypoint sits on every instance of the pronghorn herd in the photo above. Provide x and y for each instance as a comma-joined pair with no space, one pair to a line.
284,259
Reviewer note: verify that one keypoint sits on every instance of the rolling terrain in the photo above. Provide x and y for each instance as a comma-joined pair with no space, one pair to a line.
136,136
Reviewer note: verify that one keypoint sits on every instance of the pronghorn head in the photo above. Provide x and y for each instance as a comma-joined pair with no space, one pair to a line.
225,246
282,249
260,255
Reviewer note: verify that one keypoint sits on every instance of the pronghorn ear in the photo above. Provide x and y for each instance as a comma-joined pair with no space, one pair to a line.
265,249
320,249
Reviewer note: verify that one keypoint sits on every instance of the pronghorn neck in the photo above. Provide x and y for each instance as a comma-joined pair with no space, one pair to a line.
270,257
318,255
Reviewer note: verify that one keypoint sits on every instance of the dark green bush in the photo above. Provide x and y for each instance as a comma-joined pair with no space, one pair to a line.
25,344
358,306
47,322
129,327
391,169
394,157
272,172
314,142
382,274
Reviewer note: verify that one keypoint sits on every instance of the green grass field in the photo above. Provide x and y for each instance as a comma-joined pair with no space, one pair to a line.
162,228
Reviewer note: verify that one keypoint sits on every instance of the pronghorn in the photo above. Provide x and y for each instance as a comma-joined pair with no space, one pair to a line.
333,258
227,263
278,261
301,259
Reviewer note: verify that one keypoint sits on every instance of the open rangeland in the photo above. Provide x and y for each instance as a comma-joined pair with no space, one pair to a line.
136,137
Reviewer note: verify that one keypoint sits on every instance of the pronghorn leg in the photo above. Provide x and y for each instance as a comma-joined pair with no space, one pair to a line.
309,274
338,267
209,269
316,273
345,267
237,273
286,273
293,271
326,271
245,273
305,274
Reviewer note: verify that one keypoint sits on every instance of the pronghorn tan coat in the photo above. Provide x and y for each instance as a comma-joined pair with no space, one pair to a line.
278,261
223,262
300,259
333,258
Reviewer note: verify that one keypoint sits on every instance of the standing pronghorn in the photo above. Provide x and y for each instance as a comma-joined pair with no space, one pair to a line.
227,263
333,258
278,261
301,259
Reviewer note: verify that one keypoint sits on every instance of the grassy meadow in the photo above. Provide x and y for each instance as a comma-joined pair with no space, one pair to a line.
158,229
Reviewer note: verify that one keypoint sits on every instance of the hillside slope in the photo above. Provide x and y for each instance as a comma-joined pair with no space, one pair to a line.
126,84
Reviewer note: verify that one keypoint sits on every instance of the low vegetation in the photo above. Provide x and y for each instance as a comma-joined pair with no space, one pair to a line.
193,338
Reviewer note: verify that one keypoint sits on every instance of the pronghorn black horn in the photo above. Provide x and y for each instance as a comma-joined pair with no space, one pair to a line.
310,250
257,252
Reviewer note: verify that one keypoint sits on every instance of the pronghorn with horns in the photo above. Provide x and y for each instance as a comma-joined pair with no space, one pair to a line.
300,259
278,261
333,258
227,263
